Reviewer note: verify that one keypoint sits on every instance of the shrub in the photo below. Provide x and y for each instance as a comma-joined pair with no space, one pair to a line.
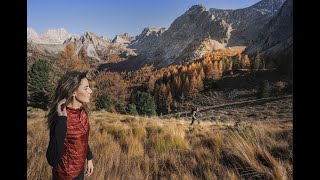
132,109
121,108
279,85
104,102
264,89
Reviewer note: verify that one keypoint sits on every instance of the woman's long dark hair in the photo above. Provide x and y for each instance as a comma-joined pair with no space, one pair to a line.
67,85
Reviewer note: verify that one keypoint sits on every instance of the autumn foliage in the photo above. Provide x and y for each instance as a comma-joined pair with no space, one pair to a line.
170,84
68,60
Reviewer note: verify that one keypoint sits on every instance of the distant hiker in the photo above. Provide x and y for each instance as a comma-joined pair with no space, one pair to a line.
68,151
194,113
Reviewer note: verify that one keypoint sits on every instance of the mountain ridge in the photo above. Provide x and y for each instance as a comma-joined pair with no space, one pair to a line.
195,33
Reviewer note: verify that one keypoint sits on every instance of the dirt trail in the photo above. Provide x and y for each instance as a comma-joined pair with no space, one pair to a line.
273,108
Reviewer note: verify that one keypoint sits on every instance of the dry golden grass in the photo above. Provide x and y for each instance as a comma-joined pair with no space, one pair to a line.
128,147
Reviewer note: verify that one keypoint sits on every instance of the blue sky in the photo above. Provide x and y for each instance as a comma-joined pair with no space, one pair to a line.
111,17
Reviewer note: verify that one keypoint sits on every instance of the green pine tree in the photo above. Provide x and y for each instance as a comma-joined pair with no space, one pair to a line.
224,63
39,90
104,102
235,63
145,103
257,62
132,109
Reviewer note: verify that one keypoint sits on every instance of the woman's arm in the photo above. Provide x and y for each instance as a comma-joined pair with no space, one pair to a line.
56,143
89,162
57,134
89,153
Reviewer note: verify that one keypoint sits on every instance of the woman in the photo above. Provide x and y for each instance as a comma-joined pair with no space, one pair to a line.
69,127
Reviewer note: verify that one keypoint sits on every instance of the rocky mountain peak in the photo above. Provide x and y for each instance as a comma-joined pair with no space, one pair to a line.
148,35
255,17
196,27
277,35
72,38
32,36
270,5
52,36
96,47
152,31
55,36
90,37
31,32
123,38
197,8
60,32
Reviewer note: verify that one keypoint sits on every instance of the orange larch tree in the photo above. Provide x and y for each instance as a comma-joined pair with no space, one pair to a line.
151,83
208,69
162,97
216,72
69,61
193,88
246,61
169,102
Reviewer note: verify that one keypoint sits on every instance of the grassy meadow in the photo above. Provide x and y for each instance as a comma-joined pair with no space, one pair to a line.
128,147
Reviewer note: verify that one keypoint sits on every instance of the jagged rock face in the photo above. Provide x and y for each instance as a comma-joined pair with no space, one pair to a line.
92,44
204,35
72,38
123,39
146,39
243,17
247,23
99,48
199,31
185,34
277,35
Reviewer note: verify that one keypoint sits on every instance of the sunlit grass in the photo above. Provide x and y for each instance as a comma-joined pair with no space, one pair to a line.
129,147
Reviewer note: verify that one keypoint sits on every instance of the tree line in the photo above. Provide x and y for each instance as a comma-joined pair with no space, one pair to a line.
147,91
